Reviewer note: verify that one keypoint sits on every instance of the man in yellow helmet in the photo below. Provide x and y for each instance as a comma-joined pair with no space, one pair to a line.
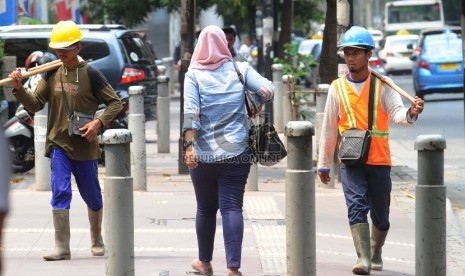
74,86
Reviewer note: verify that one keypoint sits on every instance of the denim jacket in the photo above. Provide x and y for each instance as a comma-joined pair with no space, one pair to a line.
214,107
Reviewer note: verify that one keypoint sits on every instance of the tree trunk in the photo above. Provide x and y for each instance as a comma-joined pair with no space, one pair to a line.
328,57
286,26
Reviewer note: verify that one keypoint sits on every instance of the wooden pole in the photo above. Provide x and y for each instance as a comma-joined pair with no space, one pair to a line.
40,69
393,86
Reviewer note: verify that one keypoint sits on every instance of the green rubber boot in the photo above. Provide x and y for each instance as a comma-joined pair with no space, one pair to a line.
62,236
95,220
361,237
377,241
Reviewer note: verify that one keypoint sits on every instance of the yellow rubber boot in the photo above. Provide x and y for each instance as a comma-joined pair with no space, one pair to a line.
361,237
95,220
377,241
62,236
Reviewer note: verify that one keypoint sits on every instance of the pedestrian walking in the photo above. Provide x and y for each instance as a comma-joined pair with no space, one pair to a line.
367,186
231,38
216,143
74,86
5,170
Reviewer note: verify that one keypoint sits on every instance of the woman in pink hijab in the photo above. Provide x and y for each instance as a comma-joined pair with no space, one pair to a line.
216,143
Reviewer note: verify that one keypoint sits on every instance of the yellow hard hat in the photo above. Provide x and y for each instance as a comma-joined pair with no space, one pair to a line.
64,34
403,32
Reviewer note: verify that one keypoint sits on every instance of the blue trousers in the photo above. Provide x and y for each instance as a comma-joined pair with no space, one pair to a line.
86,176
367,189
220,185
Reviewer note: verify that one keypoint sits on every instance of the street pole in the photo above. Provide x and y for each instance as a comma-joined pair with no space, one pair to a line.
187,48
267,45
259,34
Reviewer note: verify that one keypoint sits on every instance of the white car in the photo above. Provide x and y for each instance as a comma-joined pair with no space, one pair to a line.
395,53
377,36
307,46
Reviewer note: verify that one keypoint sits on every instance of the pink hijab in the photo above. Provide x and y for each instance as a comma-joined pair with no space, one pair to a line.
211,50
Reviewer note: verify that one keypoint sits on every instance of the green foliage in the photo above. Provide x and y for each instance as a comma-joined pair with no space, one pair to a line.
238,12
306,11
294,63
298,66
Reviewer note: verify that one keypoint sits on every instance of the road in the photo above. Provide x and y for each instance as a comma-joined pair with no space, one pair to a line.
444,115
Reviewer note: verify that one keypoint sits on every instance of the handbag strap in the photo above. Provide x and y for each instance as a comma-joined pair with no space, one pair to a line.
371,101
241,78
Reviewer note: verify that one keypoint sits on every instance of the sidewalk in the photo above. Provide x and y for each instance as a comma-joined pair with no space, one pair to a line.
164,220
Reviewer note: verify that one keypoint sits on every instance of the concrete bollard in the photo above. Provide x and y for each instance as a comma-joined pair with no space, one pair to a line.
252,179
118,204
430,206
163,114
277,70
300,200
41,163
136,125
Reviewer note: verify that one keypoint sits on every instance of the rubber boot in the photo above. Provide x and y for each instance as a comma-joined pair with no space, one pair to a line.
361,237
62,236
377,241
95,220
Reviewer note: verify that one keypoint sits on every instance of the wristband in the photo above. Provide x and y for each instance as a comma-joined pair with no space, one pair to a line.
324,170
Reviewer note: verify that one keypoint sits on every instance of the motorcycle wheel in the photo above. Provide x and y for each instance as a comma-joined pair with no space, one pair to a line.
22,154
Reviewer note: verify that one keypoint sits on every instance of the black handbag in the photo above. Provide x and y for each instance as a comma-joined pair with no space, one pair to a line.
355,143
264,142
76,119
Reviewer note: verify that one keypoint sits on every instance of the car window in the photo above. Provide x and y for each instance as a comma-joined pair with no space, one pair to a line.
402,42
441,36
443,48
306,47
136,51
23,47
94,49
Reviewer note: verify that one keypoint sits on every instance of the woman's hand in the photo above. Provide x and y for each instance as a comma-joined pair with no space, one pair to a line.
266,92
189,158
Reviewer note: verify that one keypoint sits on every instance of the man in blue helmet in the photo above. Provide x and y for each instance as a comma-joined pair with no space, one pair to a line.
366,186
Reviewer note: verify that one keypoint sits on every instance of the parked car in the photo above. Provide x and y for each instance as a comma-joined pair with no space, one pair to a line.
439,66
311,47
431,33
121,54
395,53
377,63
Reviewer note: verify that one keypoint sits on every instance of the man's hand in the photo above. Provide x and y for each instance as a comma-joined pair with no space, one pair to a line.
323,173
417,106
91,130
16,76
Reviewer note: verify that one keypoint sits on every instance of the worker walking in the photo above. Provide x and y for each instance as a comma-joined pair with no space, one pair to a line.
367,185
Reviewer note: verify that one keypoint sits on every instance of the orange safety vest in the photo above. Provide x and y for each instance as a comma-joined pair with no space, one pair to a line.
354,114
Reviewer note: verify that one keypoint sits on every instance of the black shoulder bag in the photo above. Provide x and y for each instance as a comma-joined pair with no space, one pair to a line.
76,119
355,143
264,141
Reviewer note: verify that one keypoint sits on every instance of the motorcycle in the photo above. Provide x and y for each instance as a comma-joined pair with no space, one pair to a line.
19,130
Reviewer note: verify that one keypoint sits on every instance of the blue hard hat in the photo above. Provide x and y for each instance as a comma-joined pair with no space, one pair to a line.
357,37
